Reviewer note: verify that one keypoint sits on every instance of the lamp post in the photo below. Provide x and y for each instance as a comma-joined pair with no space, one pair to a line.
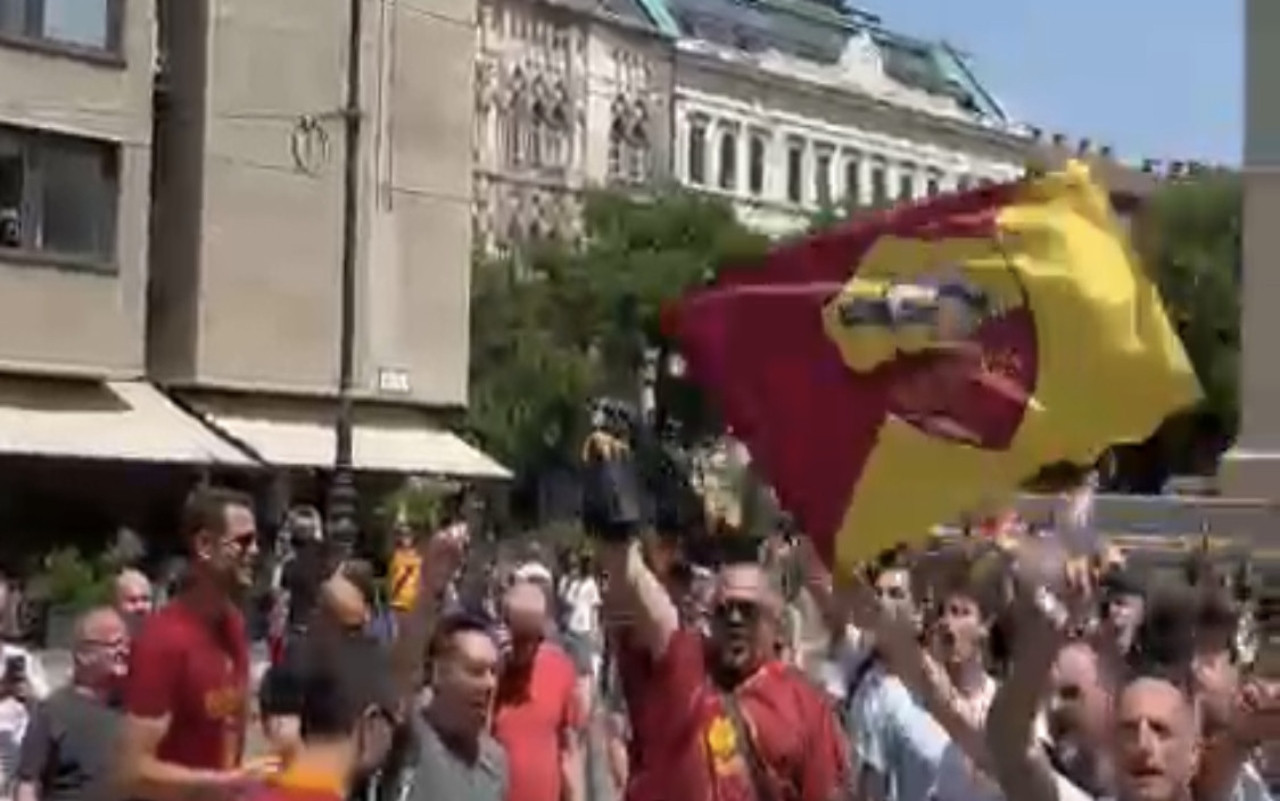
342,491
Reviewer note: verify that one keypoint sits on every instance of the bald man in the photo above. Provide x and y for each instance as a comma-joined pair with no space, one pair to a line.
538,716
133,596
70,745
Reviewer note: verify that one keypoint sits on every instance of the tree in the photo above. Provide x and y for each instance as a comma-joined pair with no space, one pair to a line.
555,324
1188,236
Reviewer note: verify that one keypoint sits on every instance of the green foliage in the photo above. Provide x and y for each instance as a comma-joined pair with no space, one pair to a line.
1190,238
73,582
556,324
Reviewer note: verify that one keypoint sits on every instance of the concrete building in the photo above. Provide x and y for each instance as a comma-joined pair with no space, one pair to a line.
1252,468
568,94
171,230
247,236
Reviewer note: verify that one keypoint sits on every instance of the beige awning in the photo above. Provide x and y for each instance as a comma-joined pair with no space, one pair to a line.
300,433
113,420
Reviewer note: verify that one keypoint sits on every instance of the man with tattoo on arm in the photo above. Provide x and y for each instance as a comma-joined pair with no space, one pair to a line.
187,690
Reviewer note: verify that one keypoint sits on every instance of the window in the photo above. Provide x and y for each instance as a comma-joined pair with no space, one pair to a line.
933,184
756,172
58,195
906,183
879,185
964,183
628,152
697,152
822,179
728,160
87,24
795,171
853,181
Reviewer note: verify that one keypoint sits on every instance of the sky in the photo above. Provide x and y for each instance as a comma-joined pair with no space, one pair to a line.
1152,78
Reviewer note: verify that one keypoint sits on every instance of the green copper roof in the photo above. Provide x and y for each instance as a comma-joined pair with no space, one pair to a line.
660,16
819,31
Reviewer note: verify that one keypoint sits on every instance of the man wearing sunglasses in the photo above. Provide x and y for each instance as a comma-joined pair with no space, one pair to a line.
70,746
735,721
186,698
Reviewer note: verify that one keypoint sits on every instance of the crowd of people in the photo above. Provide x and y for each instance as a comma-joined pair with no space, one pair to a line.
946,675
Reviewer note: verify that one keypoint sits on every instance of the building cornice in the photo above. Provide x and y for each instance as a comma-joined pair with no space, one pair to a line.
1018,145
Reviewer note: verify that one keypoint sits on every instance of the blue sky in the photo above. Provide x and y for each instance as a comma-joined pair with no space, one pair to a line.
1153,78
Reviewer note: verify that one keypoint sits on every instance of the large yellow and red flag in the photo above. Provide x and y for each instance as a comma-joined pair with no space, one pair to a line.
898,371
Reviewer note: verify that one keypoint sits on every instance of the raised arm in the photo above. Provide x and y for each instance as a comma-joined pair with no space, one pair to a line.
442,555
1019,763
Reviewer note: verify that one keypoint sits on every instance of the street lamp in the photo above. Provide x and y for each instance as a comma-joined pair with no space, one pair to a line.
342,490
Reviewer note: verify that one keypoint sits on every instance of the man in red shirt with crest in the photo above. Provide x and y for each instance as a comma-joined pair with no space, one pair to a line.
187,692
736,723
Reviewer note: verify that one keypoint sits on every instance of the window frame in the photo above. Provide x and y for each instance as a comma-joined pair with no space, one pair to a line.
34,147
727,159
111,54
696,143
852,194
824,160
757,155
795,170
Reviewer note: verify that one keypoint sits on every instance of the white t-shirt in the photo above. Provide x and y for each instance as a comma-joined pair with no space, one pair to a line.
582,598
958,780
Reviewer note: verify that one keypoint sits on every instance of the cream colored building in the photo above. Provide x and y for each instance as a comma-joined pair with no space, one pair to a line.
171,215
569,94
798,105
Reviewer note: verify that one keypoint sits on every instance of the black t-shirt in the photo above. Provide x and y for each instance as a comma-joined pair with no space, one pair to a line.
70,747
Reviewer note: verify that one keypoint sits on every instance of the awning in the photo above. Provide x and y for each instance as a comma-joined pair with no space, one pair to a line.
113,420
300,433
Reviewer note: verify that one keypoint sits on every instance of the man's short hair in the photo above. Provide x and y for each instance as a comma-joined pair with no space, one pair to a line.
206,510
450,626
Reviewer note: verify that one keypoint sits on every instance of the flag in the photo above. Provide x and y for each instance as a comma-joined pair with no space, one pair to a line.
901,370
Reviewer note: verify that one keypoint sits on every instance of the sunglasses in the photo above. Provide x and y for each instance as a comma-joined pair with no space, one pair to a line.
735,611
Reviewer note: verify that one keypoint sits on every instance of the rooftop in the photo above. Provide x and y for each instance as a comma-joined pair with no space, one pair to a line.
825,33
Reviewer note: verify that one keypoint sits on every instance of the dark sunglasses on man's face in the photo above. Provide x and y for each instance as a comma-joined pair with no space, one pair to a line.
736,611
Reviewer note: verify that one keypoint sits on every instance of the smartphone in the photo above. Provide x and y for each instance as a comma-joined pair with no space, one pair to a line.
15,668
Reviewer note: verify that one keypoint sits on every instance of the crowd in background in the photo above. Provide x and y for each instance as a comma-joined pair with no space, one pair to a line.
983,668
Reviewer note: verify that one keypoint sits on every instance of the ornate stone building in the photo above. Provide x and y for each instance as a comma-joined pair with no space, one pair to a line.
791,105
569,94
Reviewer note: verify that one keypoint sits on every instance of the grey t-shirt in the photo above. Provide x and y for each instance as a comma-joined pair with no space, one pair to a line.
436,771
70,746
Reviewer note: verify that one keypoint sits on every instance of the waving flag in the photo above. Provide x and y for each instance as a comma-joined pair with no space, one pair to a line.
896,372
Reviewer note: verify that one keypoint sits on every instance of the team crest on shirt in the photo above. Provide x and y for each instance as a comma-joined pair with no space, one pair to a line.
224,703
722,742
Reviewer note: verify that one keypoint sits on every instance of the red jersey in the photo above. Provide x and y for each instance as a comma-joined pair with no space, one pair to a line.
197,676
532,711
691,750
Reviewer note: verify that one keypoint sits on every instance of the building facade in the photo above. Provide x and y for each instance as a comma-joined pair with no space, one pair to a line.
788,107
247,246
171,237
801,104
569,94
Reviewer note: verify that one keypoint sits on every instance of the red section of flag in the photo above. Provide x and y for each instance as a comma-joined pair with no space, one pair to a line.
756,341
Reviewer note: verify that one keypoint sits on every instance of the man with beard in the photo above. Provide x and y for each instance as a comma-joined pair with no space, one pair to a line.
187,691
538,716
735,723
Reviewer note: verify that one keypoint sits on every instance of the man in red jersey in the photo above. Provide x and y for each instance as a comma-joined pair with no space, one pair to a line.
736,724
538,718
186,697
